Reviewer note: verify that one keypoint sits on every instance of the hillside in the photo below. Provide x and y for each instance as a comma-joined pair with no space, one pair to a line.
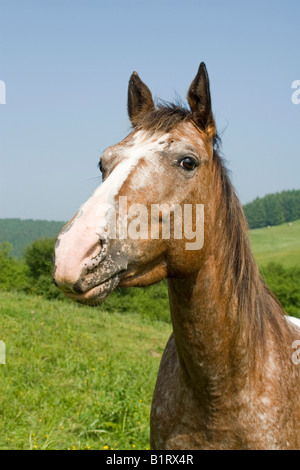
20,233
279,244
273,209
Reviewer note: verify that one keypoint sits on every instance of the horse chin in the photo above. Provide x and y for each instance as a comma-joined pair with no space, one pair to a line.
145,276
97,294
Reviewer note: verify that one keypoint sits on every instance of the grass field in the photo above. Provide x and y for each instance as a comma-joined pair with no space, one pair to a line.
279,244
76,378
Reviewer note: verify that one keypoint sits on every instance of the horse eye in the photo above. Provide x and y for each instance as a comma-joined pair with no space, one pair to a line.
188,163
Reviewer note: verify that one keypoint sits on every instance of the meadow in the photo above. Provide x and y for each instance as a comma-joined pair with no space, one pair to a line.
76,377
278,244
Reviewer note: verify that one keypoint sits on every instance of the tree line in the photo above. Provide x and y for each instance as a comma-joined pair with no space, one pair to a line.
273,209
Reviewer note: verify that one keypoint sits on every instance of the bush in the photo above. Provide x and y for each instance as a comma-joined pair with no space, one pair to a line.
284,282
13,273
39,260
151,302
39,257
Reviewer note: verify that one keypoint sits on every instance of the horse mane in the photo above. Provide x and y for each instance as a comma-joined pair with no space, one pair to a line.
257,305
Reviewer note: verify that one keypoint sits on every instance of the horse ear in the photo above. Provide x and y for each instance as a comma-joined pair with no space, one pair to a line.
139,99
200,101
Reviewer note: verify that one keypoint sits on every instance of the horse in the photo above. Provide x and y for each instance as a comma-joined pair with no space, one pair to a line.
227,378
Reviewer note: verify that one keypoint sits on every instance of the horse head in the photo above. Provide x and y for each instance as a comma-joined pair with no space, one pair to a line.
138,226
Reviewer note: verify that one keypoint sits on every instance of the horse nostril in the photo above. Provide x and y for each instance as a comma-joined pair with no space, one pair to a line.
103,244
79,260
95,255
94,251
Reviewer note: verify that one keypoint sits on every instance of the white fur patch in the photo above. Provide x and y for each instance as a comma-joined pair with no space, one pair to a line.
295,321
99,205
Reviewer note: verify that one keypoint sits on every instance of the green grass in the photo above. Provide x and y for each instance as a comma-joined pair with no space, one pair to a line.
76,377
279,244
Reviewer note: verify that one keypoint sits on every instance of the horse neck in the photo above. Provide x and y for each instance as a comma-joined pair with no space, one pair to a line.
221,314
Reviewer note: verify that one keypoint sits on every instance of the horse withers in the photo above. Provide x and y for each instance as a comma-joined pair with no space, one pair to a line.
226,379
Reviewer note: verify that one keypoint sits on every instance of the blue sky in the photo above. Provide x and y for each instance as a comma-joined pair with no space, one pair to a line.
66,65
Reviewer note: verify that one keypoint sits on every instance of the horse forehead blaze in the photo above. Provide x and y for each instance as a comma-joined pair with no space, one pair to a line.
144,144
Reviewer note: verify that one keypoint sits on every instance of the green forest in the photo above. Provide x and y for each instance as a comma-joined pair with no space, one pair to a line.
273,209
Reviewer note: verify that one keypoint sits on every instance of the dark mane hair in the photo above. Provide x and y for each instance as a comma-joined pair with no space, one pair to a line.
164,118
239,267
257,304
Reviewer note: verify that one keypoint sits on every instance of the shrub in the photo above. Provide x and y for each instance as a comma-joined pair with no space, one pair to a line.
39,257
39,260
151,302
13,273
284,282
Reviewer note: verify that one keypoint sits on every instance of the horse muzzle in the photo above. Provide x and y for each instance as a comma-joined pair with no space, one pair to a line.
88,267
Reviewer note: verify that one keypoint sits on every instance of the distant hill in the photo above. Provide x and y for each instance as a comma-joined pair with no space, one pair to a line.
20,233
280,244
273,209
